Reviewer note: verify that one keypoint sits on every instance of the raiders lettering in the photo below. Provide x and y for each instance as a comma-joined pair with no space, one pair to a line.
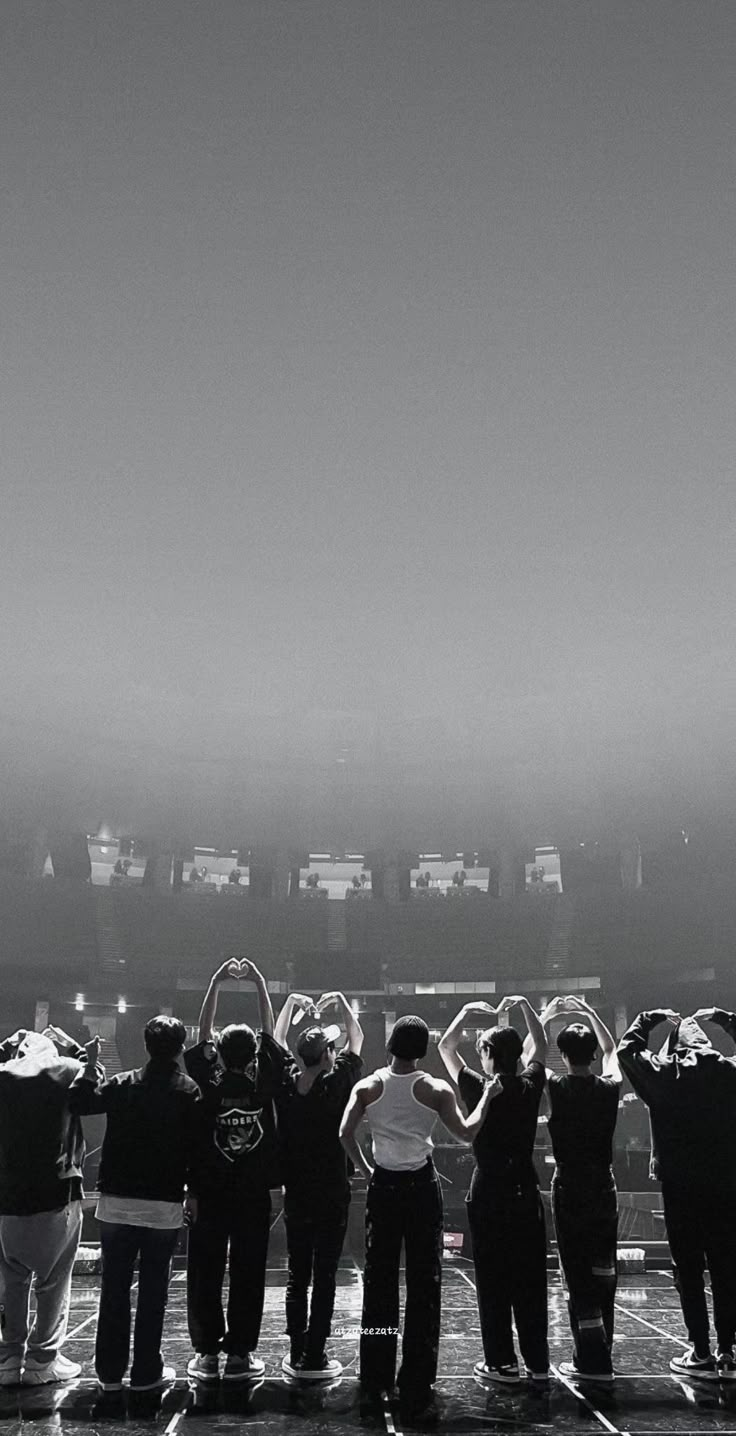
238,1131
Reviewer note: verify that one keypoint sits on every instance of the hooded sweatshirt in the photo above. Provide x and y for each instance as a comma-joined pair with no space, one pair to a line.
690,1090
41,1142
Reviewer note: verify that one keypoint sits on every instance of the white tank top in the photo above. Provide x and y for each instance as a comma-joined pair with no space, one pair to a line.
400,1126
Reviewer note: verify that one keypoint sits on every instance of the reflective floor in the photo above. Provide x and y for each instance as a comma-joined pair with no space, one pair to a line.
645,1398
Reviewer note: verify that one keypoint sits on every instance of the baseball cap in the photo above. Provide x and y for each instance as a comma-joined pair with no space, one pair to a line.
314,1041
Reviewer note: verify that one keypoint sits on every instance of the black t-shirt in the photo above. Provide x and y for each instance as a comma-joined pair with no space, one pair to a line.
583,1112
504,1146
238,1144
314,1159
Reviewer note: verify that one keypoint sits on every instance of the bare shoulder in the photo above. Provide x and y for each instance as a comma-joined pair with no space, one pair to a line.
369,1089
430,1090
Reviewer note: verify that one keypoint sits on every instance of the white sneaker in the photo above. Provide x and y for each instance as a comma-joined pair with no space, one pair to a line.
44,1373
243,1368
317,1368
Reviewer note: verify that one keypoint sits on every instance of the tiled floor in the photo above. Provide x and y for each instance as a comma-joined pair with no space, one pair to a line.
645,1399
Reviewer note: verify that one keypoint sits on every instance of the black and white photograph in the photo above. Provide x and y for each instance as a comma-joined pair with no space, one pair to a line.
367,756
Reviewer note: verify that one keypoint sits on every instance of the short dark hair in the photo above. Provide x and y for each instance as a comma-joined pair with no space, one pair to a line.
165,1037
315,1061
409,1039
504,1045
312,1045
578,1043
236,1045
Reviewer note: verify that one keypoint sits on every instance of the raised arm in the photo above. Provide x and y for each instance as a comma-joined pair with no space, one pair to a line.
353,1029
639,1064
537,1034
208,1011
351,1120
451,1039
445,1105
65,1045
90,1093
552,1009
609,1057
283,1021
719,1017
249,972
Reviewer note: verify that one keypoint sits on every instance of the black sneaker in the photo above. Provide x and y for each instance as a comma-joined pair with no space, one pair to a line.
371,1401
573,1373
418,1408
726,1365
691,1365
505,1375
167,1378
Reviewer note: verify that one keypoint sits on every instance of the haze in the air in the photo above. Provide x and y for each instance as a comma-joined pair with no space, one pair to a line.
368,434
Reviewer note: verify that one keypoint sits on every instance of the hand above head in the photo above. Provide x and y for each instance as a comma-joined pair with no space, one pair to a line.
18,1037
229,968
484,1007
247,970
330,999
667,1015
705,1014
305,1004
92,1048
56,1036
507,1003
575,1004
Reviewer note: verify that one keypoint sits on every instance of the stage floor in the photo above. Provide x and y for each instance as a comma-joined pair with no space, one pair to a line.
646,1397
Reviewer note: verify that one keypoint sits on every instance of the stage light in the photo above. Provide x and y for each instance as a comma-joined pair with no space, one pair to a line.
79,1002
122,1005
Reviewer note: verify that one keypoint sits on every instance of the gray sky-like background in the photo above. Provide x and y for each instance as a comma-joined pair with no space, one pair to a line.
368,391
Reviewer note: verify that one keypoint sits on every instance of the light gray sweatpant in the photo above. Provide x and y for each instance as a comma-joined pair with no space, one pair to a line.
42,1246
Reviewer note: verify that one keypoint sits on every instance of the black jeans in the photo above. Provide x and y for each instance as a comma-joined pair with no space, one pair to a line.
701,1230
510,1254
121,1245
402,1207
238,1221
585,1209
314,1237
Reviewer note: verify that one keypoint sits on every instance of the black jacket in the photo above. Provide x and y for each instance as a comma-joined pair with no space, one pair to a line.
690,1090
41,1141
238,1148
152,1117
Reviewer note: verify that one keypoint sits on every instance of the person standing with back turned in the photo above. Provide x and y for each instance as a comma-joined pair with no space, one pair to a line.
401,1105
316,1184
239,1074
583,1113
690,1090
505,1212
146,1154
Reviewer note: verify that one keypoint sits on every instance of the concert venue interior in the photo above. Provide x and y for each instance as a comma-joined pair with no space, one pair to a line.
367,588
93,950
